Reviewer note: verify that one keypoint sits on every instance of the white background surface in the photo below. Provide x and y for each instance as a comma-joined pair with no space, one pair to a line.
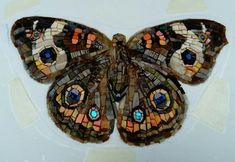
42,141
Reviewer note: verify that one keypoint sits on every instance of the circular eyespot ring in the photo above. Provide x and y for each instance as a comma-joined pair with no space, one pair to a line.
48,56
35,35
203,37
93,113
74,95
161,98
188,57
138,114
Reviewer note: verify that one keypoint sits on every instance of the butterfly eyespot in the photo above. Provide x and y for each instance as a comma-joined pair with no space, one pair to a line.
48,56
36,35
203,37
138,114
74,95
160,98
188,57
93,113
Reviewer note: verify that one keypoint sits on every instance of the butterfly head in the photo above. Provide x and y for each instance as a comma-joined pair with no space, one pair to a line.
119,39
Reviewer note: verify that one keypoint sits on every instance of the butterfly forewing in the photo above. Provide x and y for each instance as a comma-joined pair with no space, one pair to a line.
48,45
186,49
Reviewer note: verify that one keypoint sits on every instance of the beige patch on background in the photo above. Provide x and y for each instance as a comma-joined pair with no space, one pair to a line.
111,155
22,106
182,6
6,72
213,107
19,5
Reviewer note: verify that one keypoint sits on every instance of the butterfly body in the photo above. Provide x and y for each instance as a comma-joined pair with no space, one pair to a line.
97,81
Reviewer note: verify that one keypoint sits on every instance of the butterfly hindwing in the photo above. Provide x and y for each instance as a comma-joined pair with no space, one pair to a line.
186,49
48,45
154,107
79,102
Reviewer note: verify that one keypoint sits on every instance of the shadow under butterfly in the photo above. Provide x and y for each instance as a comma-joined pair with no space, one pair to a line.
90,74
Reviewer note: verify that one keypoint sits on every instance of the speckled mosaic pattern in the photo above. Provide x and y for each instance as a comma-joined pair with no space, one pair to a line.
96,80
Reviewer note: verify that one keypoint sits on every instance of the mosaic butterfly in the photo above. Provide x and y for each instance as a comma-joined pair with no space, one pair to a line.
96,80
